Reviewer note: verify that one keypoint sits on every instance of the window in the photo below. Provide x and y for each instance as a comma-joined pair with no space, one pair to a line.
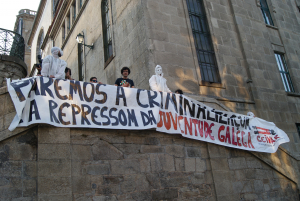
63,32
68,23
55,5
298,128
80,62
284,73
20,27
107,40
203,42
266,12
74,11
80,4
39,50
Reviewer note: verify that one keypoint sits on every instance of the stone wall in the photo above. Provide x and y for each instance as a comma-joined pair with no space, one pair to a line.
11,67
18,167
51,163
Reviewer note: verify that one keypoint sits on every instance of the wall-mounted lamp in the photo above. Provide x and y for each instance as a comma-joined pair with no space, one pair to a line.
80,39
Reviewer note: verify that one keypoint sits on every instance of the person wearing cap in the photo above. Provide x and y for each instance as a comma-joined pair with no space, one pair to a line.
53,66
124,81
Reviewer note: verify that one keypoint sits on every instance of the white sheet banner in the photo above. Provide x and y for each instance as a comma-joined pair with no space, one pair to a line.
65,103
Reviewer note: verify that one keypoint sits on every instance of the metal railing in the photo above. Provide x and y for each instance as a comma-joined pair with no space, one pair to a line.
11,44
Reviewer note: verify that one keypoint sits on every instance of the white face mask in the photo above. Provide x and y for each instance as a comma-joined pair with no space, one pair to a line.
158,70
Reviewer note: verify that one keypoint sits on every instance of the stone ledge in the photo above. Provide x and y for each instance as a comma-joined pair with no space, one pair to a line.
272,27
3,90
14,60
292,94
5,134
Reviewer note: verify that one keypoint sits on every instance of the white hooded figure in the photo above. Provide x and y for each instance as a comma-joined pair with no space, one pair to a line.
250,114
53,66
158,82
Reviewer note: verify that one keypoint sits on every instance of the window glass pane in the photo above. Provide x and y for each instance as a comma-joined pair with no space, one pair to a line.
298,128
284,74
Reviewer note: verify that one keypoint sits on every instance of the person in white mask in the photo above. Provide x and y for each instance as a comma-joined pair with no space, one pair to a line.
158,82
53,66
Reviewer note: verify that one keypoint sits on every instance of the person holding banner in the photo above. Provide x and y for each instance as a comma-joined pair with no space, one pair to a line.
53,66
124,81
158,82
68,74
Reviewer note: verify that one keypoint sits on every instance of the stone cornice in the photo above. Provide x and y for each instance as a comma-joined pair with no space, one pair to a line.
36,21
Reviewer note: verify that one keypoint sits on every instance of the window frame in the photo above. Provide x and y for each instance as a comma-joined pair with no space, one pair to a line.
202,66
54,7
107,30
80,4
298,128
74,11
63,32
266,11
284,72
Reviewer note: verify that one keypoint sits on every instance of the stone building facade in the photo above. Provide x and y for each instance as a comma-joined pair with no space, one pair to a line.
23,27
234,55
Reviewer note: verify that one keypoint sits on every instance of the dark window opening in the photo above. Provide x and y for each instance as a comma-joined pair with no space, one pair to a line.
68,23
40,41
80,62
74,11
284,73
107,40
80,4
266,12
298,128
55,5
63,31
203,42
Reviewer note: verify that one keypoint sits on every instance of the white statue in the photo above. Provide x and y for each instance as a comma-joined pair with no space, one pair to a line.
158,82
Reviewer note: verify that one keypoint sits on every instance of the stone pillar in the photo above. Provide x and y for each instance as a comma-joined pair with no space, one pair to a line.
54,164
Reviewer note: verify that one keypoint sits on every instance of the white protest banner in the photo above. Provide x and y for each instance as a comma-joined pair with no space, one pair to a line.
65,103
195,120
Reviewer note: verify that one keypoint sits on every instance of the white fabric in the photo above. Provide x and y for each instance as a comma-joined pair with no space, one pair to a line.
53,65
158,82
250,114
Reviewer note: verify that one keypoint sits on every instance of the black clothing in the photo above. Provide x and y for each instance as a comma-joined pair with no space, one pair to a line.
121,81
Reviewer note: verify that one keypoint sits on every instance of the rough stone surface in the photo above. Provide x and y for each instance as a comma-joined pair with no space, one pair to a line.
11,67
